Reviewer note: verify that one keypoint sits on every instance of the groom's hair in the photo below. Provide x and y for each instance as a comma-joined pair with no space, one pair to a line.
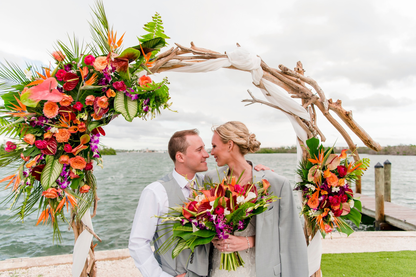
178,143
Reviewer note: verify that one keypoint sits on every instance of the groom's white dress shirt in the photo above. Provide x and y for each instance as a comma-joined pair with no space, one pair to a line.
153,201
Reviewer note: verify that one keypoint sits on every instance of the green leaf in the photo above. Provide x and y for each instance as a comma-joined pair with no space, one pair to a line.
182,245
75,182
345,228
357,205
200,241
51,171
179,227
91,87
130,53
204,233
313,144
127,107
354,216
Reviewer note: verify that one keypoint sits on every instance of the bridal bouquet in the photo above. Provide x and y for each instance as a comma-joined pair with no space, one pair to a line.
327,197
216,210
55,115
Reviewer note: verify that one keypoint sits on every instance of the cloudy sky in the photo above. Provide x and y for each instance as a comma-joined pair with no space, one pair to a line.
362,52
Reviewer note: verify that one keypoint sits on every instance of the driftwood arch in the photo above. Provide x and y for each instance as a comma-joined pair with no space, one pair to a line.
297,85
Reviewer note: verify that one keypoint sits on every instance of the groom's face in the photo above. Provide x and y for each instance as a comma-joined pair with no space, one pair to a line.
196,155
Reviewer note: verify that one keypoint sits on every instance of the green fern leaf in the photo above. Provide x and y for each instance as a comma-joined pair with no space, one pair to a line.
154,28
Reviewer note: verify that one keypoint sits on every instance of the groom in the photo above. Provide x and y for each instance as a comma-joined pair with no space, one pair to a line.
188,153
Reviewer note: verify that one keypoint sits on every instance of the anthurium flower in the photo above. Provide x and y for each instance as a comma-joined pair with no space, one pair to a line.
89,60
67,113
29,138
110,93
66,100
44,91
314,174
37,171
64,159
50,109
187,213
99,111
144,80
71,81
120,86
51,146
333,161
102,102
47,135
77,162
57,55
67,148
62,135
89,101
72,175
40,144
84,189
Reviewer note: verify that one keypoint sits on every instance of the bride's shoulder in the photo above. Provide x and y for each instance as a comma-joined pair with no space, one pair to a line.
212,175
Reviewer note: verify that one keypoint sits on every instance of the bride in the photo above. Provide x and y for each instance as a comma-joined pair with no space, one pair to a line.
273,244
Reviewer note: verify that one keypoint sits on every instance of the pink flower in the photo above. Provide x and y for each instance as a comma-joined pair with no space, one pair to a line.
88,166
337,212
120,86
41,144
89,60
10,146
78,106
67,148
335,201
342,171
60,74
344,198
58,56
219,210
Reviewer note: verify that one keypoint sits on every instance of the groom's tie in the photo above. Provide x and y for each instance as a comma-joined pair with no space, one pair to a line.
190,186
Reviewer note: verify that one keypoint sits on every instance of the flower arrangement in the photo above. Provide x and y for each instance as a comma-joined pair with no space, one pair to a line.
55,116
216,210
327,197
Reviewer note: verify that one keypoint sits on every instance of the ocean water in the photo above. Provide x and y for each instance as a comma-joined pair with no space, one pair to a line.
119,187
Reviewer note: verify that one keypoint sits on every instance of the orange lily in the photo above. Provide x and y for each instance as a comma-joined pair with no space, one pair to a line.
112,40
343,154
45,215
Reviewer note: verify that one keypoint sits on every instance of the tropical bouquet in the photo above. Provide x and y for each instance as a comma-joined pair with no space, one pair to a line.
216,209
327,197
55,116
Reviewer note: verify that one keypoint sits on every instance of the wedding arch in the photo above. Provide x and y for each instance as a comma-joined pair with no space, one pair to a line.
48,173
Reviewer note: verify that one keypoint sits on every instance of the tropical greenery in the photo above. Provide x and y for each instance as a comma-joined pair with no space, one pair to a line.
107,151
54,116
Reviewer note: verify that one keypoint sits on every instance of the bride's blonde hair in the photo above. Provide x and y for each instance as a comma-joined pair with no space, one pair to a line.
239,134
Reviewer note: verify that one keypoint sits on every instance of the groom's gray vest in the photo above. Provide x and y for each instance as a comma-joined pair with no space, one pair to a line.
195,265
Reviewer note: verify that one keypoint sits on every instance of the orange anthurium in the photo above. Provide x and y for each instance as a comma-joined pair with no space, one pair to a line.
47,135
313,202
343,154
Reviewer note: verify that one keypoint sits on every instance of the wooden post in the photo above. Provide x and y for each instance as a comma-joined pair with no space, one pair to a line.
387,181
379,188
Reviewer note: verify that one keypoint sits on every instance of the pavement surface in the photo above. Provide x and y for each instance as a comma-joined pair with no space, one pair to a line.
119,263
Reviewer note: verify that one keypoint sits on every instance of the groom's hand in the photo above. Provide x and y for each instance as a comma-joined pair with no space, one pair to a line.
181,275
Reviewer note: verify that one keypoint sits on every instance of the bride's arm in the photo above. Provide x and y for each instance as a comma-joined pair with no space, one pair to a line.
234,243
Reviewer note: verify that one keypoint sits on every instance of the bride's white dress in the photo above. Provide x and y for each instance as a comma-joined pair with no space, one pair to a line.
249,269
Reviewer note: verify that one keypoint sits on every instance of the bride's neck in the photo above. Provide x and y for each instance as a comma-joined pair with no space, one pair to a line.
238,166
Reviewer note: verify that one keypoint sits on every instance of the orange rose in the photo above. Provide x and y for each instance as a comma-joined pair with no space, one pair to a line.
77,162
144,80
102,102
89,101
66,101
331,178
30,139
110,93
62,135
57,55
100,63
50,109
313,202
84,189
64,159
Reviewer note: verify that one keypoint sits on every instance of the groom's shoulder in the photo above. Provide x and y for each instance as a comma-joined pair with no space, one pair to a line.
272,176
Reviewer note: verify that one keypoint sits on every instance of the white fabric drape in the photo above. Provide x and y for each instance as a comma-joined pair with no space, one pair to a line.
82,247
244,60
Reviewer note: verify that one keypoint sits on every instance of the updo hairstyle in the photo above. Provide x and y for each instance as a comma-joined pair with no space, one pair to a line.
239,134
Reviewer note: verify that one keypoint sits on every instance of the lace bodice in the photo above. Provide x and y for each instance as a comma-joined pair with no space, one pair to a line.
249,269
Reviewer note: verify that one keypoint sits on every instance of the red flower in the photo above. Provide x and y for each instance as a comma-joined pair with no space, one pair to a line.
89,101
84,189
219,210
335,201
191,206
78,106
51,146
41,144
337,212
342,171
120,86
144,80
60,74
344,198
89,60
71,81
10,146
37,171
67,148
88,166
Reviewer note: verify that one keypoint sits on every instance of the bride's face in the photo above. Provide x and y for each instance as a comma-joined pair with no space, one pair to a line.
220,150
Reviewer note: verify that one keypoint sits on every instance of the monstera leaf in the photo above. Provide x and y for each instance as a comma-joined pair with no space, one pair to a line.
51,172
127,107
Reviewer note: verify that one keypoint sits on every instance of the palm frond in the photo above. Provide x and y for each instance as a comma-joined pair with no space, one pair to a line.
74,51
100,28
9,158
26,206
11,74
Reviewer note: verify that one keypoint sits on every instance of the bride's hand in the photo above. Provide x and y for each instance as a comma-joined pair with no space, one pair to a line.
233,243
